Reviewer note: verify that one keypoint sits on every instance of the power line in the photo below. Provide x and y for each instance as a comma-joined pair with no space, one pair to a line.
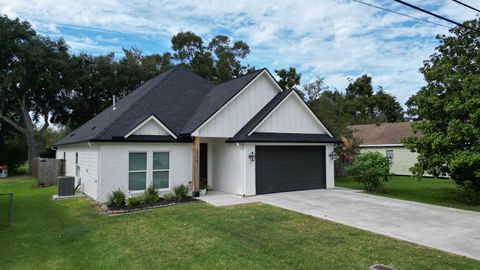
402,14
465,5
436,15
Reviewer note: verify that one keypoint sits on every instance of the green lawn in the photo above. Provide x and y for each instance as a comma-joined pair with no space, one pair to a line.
71,234
442,192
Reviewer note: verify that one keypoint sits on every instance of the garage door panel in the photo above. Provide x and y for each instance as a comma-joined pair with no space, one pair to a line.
288,168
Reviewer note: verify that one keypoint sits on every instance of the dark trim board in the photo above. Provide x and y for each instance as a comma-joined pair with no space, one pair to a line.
289,168
266,137
203,163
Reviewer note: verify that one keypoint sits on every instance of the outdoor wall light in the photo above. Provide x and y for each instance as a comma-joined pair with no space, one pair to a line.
333,155
252,156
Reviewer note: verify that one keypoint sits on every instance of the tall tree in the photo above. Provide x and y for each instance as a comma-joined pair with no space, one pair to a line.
360,87
366,106
314,90
289,78
94,80
449,105
32,76
190,51
387,107
219,61
227,57
187,46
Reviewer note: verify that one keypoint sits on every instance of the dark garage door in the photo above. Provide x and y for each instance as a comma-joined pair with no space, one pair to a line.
288,168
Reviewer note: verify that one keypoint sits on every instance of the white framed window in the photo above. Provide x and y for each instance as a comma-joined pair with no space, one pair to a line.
161,170
137,170
389,154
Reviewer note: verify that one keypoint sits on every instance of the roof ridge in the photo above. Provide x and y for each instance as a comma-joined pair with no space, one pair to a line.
239,77
166,75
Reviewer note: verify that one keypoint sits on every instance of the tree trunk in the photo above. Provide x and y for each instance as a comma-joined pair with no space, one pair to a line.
32,150
28,129
32,140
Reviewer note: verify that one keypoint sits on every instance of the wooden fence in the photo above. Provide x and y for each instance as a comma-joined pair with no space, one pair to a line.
341,166
47,170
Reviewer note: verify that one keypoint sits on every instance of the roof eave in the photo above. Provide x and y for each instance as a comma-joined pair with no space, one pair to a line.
279,141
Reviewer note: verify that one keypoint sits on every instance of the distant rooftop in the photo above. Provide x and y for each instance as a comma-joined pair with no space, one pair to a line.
385,133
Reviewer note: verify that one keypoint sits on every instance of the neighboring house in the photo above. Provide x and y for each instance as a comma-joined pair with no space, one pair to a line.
246,136
386,139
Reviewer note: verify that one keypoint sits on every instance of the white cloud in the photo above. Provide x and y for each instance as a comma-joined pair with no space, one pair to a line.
335,38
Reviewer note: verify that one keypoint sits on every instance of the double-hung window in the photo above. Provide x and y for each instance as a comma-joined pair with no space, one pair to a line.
389,154
137,171
161,169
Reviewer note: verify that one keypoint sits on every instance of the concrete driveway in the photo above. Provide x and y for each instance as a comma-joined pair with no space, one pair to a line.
447,229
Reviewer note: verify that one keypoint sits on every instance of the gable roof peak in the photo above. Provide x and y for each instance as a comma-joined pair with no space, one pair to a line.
179,98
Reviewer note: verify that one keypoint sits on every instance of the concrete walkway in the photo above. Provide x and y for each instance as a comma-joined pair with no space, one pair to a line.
219,198
452,230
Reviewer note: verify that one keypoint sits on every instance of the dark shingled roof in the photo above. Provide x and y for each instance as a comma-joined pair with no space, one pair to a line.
182,101
386,133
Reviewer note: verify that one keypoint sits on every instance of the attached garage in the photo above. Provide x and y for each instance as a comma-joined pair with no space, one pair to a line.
289,168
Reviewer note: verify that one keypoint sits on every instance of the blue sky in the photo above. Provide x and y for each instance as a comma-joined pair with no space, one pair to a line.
334,39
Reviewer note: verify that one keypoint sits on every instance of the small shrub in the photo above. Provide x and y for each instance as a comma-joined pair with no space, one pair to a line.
204,186
151,195
117,198
135,200
180,192
370,168
169,197
22,169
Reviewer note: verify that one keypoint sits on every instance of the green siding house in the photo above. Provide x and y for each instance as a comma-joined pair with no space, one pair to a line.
386,139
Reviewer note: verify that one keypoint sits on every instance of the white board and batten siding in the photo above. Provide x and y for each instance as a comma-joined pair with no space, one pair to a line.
88,163
229,120
150,128
226,168
114,159
291,116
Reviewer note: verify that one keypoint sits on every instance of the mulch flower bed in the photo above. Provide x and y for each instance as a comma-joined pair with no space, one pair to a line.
112,210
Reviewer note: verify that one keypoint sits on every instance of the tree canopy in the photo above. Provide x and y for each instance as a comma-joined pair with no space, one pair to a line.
289,78
218,61
365,106
449,109
33,74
